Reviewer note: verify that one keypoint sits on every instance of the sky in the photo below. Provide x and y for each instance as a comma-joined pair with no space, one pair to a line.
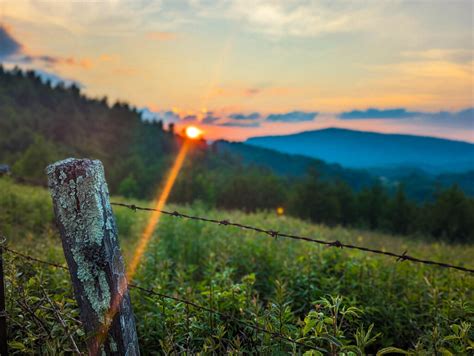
241,68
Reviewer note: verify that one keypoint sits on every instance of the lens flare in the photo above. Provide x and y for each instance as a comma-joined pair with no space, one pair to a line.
160,201
193,132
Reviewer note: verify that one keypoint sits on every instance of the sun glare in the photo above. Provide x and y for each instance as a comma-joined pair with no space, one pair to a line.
193,132
147,234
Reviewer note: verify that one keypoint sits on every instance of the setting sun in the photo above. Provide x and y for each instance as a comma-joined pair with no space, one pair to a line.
193,132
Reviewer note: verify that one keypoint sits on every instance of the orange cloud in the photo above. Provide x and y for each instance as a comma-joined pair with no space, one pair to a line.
12,50
51,61
85,63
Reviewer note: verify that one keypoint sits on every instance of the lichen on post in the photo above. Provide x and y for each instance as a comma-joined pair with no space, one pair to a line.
89,238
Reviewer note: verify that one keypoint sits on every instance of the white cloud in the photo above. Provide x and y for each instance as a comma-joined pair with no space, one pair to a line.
275,18
292,18
154,116
103,17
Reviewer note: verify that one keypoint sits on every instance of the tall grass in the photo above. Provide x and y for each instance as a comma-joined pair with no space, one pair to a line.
333,299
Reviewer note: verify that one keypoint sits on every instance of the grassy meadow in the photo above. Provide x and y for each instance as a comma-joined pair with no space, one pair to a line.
338,301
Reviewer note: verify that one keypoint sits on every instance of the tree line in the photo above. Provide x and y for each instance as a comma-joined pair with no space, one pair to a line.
41,123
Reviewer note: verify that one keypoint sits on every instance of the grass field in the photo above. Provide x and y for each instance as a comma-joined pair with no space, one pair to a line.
337,300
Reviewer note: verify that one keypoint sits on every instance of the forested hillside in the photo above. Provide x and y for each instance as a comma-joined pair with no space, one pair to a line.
418,184
295,165
40,124
361,149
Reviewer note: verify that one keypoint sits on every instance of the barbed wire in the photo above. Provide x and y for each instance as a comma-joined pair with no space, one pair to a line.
180,300
275,234
33,259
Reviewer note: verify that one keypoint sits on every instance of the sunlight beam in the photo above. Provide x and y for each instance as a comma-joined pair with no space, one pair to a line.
160,201
155,216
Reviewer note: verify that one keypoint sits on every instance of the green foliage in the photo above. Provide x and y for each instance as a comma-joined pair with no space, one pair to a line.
372,204
44,313
35,158
451,216
401,213
254,190
24,211
337,301
129,187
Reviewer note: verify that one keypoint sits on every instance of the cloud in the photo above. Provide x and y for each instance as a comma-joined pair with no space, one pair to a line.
240,116
46,59
293,116
442,123
242,120
189,118
373,113
100,18
179,116
170,116
9,46
456,120
310,18
207,118
240,124
12,51
463,119
210,118
165,116
52,61
291,18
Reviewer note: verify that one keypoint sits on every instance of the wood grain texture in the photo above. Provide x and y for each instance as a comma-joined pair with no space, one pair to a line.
91,247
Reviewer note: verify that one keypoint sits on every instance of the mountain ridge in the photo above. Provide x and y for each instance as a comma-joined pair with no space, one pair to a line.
294,165
335,129
367,150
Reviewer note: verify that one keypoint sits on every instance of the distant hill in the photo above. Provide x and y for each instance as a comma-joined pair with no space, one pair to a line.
294,165
359,149
418,184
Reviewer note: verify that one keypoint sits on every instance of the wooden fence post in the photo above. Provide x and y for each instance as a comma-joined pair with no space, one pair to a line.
89,238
